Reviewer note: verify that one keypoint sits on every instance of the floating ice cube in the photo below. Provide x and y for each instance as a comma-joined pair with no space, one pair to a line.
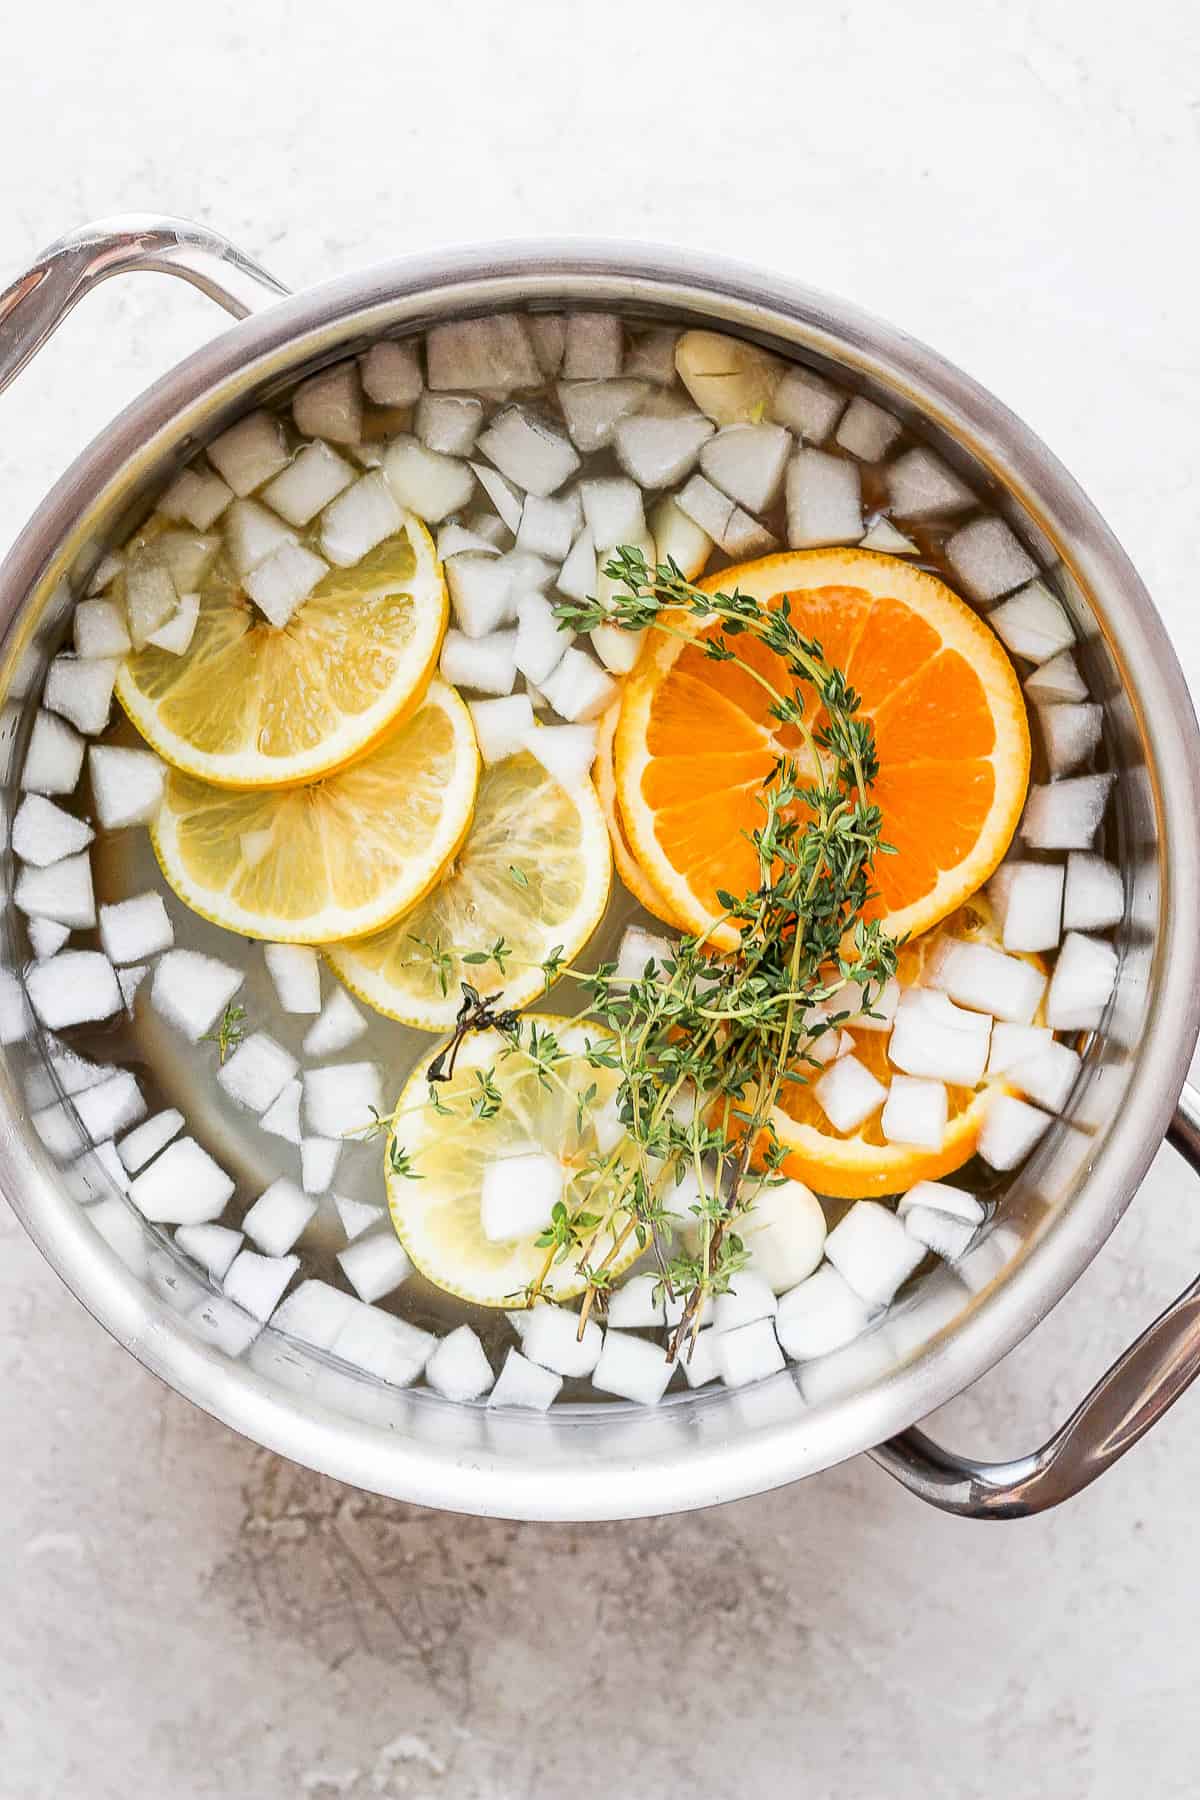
697,1358
106,571
916,1111
278,1216
579,689
1014,1043
122,1231
46,937
632,1368
314,477
341,1098
250,452
212,1246
1056,680
388,1348
488,664
922,487
375,1264
593,409
867,431
1070,734
976,976
748,1298
824,500
939,1041
638,1301
493,354
257,1072
361,517
1083,980
283,581
282,1117
547,529
507,499
807,404
1094,895
577,577
449,423
133,929
110,1106
848,1094
63,892
429,484
329,405
651,356
594,348
183,1186
252,533
176,635
54,757
130,979
871,1250
884,537
525,1383
565,751
1033,906
657,452
750,1353
1010,1131
938,1231
73,988
942,1196
14,1012
747,462
151,596
1048,1076
100,631
188,556
197,496
257,1282
481,592
191,991
356,1216
391,374
126,785
80,689
1032,623
146,1140
612,507
1066,815
454,539
528,451
459,1368
501,726
318,1161
639,949
339,1025
989,559
517,1195
314,1313
540,645
552,1338
548,332
295,970
705,506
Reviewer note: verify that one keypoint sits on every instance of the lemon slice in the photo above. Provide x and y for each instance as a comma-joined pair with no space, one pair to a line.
248,705
342,856
436,1209
534,870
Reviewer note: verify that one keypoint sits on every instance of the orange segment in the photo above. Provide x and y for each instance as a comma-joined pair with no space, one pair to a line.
695,738
627,865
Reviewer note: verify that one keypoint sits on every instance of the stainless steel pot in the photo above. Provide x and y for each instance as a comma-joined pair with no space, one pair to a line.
586,1462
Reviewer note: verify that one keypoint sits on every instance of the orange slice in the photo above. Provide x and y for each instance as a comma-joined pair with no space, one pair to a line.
695,740
862,1164
627,865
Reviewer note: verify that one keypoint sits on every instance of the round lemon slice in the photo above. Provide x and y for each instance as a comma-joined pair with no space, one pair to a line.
532,877
250,705
340,857
436,1208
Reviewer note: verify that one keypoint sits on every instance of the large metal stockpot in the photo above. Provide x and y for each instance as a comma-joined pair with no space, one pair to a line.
608,1461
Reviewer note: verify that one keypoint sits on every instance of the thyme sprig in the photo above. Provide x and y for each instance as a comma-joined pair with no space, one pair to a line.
228,1032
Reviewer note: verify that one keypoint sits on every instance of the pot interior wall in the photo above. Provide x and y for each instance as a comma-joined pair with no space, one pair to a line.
391,1439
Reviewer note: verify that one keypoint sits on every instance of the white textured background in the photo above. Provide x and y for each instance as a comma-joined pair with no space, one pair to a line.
1015,181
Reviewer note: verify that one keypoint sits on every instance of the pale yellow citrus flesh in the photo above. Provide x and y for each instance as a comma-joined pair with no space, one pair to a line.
250,705
436,1209
695,739
342,856
534,870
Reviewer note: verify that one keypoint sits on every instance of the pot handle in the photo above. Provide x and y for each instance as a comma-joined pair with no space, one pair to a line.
1147,1379
38,301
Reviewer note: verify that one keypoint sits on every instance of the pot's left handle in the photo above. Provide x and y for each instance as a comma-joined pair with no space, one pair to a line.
38,301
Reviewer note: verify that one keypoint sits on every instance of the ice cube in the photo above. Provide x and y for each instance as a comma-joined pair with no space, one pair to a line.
459,1368
100,629
339,1025
278,1216
750,1353
1012,1044
212,1246
988,981
1066,815
493,354
318,1160
14,1012
871,1250
282,1117
257,1072
747,462
989,559
449,424
146,1140
940,1042
295,970
525,1383
577,577
188,556
807,404
540,645
579,689
46,938
824,500
388,1348
481,591
106,571
73,988
1010,1131
565,751
283,581
63,892
329,405
252,532
431,485
938,1231
1048,1076
133,929
922,487
697,1358
257,1282
122,1231
391,374
1070,734
657,452
1033,906
54,757
126,785
1032,623
705,506
501,726
651,356
375,1264
183,1186
191,991
151,596
548,332
1083,980
197,496
883,537
487,664
1056,680
1094,895
250,452
867,431
552,1338
632,1368
176,635
356,1216
314,1313
517,1195
314,477
942,1196
594,348
640,949
110,1106
507,499
362,516
80,689
528,452
748,1298
341,1098
848,1094
593,409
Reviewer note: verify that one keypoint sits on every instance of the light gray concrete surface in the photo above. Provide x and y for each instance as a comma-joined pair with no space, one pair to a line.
183,1615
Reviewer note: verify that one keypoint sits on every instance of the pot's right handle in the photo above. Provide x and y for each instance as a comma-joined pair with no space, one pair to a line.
38,301
1120,1409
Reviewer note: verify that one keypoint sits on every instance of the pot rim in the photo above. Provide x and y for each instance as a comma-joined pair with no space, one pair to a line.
411,291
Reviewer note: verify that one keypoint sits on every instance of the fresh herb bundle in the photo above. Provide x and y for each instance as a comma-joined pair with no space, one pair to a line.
704,1042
